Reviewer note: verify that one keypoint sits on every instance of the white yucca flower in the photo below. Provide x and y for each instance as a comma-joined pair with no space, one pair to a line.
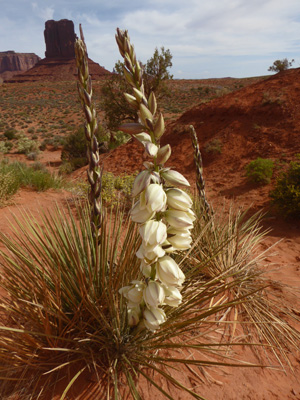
153,318
178,199
140,215
153,198
154,294
179,219
153,232
150,253
174,178
168,272
173,296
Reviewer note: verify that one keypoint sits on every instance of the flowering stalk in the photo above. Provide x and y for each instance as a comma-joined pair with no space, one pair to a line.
199,171
94,172
162,210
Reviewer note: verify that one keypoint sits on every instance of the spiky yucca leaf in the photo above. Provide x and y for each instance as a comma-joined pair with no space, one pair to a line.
228,250
62,314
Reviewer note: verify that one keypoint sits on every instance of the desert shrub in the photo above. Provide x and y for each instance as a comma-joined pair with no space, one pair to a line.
281,65
10,133
286,194
115,189
260,170
9,183
26,146
74,147
214,146
66,168
118,138
5,147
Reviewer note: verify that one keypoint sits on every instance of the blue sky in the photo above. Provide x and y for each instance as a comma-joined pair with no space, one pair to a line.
207,38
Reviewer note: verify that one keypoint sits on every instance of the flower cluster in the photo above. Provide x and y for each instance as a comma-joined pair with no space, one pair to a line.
162,210
165,218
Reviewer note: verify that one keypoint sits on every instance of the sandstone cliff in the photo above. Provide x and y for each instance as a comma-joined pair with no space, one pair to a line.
59,38
12,63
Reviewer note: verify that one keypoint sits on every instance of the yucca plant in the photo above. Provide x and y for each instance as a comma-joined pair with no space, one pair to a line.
62,317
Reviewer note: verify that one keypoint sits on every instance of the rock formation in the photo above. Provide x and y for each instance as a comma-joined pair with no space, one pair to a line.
59,64
12,63
59,38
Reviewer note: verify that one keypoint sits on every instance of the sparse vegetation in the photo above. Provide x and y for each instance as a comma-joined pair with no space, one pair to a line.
213,147
260,171
286,194
14,175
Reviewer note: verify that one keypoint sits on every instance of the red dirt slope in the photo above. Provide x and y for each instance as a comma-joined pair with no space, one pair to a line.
260,120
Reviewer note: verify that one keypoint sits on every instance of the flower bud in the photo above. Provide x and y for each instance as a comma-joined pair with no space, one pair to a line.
145,268
163,154
154,294
141,181
168,272
179,219
172,296
140,215
154,198
151,149
138,95
135,294
131,100
133,316
145,114
143,137
131,127
159,127
152,103
174,178
153,232
153,318
178,199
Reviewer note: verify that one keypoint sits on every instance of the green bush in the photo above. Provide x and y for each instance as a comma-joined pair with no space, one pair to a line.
260,170
10,133
74,148
286,195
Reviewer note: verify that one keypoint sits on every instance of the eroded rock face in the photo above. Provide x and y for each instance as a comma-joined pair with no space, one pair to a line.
59,38
17,62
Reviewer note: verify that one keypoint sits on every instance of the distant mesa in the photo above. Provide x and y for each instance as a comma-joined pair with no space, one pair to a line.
59,63
12,63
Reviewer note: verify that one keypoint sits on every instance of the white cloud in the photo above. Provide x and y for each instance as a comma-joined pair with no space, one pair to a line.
44,13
